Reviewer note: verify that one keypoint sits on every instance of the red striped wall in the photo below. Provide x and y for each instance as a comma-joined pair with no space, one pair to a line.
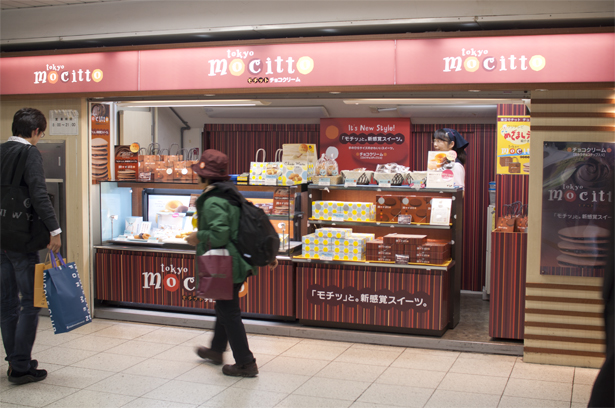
510,188
430,286
507,298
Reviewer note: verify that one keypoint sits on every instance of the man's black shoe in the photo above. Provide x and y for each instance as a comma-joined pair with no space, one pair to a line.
29,376
33,364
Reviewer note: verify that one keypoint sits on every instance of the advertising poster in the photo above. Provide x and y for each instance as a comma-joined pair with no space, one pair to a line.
365,142
126,162
513,145
577,209
101,134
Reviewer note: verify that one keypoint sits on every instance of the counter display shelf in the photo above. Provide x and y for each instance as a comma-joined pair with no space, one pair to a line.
384,295
166,278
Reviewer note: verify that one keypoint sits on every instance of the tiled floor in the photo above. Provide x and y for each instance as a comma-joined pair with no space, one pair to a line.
117,364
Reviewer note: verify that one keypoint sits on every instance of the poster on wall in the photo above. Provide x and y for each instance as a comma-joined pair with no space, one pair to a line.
577,208
365,142
101,136
513,145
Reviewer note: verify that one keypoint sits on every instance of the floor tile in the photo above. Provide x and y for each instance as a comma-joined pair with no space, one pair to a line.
92,399
304,401
359,404
448,399
128,384
47,338
93,327
180,353
184,392
425,361
585,376
578,405
332,388
44,323
541,372
274,382
126,331
490,357
140,348
63,356
206,373
94,343
109,362
517,402
161,368
369,356
479,384
351,371
203,339
274,345
168,335
291,365
411,377
395,395
377,347
75,377
517,387
152,403
36,348
489,367
241,397
447,353
581,393
35,394
312,350
325,343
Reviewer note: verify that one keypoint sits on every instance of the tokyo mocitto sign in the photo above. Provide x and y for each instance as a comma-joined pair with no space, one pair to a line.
564,58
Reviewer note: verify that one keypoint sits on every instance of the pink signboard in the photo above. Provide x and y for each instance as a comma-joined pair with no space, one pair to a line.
482,60
532,59
366,142
75,73
269,66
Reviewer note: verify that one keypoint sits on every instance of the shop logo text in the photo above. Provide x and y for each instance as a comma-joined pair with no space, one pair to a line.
236,63
54,73
473,60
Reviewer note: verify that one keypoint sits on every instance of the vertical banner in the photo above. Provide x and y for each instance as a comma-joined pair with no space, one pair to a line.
101,136
513,145
361,142
577,208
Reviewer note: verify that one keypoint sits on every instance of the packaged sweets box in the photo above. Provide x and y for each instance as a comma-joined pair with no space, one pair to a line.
298,163
404,239
348,211
389,208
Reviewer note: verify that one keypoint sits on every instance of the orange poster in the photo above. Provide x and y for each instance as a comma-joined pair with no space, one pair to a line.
101,135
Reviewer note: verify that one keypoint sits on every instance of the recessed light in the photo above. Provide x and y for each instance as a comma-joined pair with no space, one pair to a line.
335,93
541,90
473,90
210,94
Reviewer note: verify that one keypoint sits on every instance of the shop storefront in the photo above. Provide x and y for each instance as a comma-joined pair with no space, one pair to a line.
417,297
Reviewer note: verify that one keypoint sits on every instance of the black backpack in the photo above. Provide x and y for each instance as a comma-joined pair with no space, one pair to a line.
257,241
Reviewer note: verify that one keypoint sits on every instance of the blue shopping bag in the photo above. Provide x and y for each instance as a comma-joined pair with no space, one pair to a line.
68,308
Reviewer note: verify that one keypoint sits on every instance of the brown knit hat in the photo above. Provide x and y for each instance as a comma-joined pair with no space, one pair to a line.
213,165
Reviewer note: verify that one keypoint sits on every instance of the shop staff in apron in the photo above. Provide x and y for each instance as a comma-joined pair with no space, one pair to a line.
449,139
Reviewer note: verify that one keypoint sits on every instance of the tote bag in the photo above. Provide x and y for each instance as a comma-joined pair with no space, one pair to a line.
215,273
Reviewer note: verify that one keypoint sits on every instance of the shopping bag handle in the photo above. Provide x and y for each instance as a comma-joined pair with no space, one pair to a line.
264,155
278,155
54,261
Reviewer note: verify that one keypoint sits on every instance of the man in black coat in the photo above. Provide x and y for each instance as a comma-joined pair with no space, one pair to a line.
19,317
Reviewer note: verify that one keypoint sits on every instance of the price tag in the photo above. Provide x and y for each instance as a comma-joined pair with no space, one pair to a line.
337,218
271,180
326,258
350,183
324,181
384,184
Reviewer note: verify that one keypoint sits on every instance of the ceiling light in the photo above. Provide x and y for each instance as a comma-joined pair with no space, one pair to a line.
208,102
335,93
273,112
473,90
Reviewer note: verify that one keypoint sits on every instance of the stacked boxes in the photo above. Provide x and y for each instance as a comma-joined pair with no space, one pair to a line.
337,243
416,247
389,207
342,210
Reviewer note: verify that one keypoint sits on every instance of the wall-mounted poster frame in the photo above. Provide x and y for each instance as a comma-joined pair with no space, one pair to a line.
577,208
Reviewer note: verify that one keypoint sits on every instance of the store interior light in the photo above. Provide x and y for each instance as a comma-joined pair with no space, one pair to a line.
200,103
437,101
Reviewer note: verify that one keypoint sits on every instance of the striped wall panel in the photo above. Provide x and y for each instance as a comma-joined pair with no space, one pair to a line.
512,110
480,170
507,298
240,142
167,279
510,188
363,296
564,322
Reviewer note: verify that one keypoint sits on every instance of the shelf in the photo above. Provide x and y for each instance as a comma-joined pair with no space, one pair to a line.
378,224
441,267
378,188
285,217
